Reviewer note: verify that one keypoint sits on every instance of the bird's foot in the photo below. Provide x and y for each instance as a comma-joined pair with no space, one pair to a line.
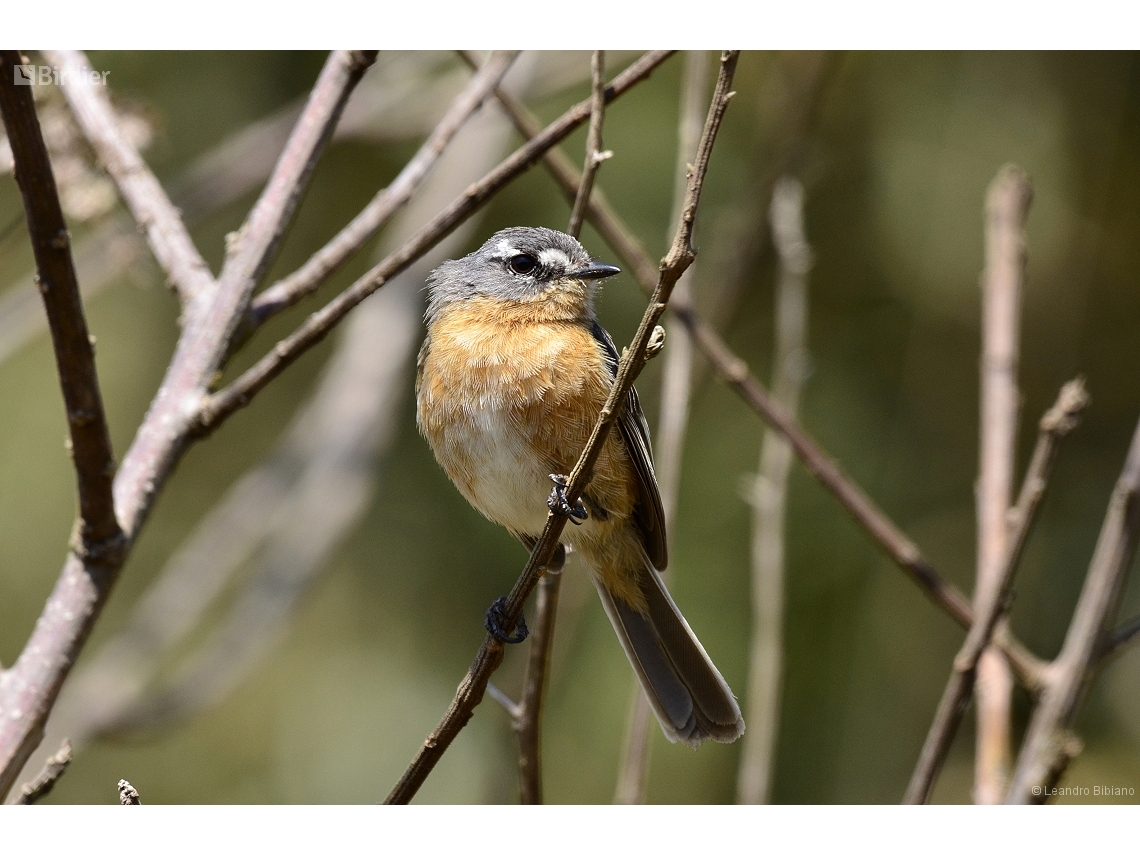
559,505
494,623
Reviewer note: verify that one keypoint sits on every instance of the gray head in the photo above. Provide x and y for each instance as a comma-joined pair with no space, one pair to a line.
519,263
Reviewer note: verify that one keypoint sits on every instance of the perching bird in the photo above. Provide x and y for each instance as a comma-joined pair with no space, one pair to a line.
510,381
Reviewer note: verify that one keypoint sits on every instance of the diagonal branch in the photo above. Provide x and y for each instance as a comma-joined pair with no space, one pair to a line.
490,655
376,214
45,781
1061,418
734,372
250,250
238,394
1049,745
141,192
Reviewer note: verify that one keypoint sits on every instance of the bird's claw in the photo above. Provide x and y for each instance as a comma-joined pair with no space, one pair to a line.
559,505
494,623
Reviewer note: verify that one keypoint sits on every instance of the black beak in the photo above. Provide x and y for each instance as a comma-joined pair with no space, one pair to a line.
597,270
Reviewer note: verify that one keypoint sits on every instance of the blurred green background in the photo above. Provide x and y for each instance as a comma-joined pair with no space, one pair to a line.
895,151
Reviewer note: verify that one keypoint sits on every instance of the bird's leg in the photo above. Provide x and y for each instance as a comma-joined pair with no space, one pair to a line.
559,505
494,624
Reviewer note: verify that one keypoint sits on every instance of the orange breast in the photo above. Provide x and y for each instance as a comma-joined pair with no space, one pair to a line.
508,394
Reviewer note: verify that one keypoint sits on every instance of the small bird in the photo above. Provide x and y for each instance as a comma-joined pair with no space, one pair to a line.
510,380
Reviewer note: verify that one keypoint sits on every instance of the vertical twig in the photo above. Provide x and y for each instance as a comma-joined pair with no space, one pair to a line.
1061,418
1049,745
490,655
526,716
1007,204
676,390
769,498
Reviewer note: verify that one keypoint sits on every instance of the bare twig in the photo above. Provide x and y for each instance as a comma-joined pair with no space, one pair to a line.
1007,205
769,497
238,394
42,784
734,372
1047,747
29,689
250,250
676,391
526,715
128,795
680,256
1061,418
141,193
306,279
97,533
595,155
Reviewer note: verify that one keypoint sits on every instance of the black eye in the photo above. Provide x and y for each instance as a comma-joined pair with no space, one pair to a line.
523,264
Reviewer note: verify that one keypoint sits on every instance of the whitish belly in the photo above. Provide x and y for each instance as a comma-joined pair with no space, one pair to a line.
506,480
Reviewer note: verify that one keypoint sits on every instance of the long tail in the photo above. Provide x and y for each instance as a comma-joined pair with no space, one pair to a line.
690,697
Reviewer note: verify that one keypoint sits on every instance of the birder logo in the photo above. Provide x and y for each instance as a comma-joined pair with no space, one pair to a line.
45,75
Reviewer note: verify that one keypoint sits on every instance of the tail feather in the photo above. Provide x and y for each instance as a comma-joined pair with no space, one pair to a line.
691,699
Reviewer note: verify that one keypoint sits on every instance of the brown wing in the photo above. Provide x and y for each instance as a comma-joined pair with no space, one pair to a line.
634,431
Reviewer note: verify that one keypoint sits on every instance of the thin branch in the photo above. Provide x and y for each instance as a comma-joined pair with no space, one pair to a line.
250,250
42,784
28,690
734,372
141,192
385,204
676,393
595,155
216,408
1045,751
1007,206
680,256
527,713
98,536
769,497
1061,418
